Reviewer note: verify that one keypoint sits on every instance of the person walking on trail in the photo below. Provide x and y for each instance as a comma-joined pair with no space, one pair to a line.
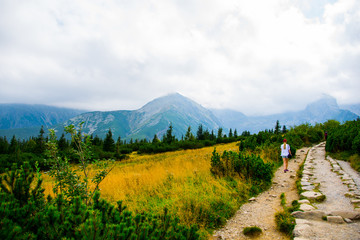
285,154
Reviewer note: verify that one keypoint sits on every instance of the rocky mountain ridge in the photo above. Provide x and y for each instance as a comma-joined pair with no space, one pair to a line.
156,116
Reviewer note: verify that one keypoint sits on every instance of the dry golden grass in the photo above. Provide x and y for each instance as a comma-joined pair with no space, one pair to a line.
145,172
130,178
180,181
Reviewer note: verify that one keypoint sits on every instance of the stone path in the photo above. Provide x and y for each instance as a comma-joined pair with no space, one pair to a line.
260,211
331,193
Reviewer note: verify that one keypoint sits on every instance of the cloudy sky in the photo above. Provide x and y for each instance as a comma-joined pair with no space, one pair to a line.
258,56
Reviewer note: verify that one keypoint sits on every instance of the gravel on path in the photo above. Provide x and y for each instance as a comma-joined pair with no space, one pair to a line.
261,211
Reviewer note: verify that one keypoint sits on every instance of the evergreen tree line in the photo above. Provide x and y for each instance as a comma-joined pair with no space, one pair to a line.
33,149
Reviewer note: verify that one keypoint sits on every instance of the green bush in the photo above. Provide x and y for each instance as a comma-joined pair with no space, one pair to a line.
252,231
251,167
285,222
25,214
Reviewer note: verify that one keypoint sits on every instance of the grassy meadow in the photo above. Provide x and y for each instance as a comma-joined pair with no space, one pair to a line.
180,181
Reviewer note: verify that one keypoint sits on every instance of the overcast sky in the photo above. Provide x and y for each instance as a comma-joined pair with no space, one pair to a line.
257,57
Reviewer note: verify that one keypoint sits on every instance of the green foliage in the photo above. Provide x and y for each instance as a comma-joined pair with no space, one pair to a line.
70,215
109,143
26,215
345,137
252,231
285,222
67,181
251,167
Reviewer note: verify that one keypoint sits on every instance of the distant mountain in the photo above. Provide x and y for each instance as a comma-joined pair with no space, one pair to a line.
25,115
153,118
317,112
156,116
355,108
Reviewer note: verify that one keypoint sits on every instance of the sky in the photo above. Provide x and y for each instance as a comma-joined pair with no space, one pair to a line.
258,57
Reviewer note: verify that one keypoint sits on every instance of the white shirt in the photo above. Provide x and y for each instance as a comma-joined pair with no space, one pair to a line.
285,152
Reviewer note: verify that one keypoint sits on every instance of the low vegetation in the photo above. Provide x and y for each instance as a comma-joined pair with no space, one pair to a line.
182,194
253,231
285,222
344,142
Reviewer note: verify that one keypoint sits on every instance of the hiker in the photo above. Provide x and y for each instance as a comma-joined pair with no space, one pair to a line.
285,154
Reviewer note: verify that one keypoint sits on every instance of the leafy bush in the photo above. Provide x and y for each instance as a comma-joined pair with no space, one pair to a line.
251,167
345,137
285,222
252,231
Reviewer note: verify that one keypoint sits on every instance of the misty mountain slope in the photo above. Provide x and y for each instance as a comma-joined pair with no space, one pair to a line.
355,108
153,118
99,123
25,115
319,111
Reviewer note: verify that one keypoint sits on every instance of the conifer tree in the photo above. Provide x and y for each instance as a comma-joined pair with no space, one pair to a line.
109,143
230,133
189,136
40,141
155,139
200,133
220,135
277,127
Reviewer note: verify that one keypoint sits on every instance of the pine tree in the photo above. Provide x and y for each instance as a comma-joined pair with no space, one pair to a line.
155,139
109,143
277,127
40,142
230,133
189,136
220,135
200,133
235,133
168,137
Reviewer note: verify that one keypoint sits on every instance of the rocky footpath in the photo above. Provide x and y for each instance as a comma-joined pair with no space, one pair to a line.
330,199
260,211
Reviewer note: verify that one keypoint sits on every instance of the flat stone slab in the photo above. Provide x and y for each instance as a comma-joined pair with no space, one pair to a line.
352,215
314,215
301,229
308,188
311,195
304,201
335,219
302,221
308,173
306,207
305,183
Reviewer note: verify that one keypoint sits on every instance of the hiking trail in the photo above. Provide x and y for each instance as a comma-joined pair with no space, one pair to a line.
334,179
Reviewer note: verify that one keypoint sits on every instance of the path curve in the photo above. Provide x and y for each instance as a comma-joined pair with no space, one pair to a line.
330,180
338,182
261,211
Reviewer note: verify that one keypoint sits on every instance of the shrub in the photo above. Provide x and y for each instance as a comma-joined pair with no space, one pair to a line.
285,222
251,167
252,231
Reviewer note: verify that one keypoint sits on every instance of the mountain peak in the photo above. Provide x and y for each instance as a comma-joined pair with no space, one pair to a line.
173,100
325,102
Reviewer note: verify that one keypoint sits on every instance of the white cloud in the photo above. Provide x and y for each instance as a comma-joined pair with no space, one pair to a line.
258,57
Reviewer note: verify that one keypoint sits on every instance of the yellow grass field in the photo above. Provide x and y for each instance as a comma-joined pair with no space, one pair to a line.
180,181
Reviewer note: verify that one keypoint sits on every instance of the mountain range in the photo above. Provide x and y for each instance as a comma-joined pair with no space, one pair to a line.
156,116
